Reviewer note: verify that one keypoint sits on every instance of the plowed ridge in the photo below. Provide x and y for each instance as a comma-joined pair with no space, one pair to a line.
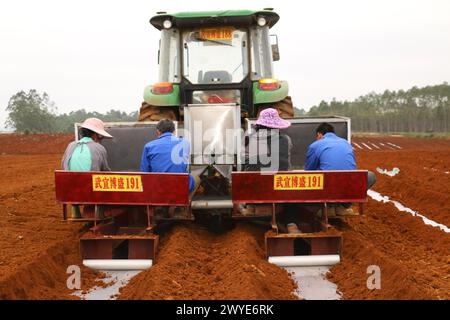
195,264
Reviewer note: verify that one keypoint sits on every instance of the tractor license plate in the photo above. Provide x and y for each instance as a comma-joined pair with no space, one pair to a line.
115,183
298,181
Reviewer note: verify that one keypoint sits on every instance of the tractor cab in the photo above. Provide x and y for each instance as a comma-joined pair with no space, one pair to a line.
218,57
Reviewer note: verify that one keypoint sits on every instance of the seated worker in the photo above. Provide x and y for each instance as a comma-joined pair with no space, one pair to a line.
268,149
87,154
159,156
330,152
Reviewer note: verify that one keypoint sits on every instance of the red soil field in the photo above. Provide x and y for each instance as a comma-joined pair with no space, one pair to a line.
414,258
37,247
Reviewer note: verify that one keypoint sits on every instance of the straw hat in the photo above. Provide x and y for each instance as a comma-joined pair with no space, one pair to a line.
97,126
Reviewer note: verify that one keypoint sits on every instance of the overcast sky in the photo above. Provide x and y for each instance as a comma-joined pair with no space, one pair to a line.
99,54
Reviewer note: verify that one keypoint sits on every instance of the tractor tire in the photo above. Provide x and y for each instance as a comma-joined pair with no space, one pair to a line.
155,113
284,107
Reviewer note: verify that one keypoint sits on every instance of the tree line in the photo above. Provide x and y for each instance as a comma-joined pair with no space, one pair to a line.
425,109
33,112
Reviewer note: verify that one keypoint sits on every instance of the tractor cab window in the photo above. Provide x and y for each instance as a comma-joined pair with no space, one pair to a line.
216,96
215,55
168,56
261,53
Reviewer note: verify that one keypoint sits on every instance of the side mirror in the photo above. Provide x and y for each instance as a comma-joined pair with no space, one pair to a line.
275,52
275,49
195,36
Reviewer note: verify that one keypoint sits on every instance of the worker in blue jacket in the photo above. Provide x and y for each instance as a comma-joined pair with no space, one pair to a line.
168,153
330,152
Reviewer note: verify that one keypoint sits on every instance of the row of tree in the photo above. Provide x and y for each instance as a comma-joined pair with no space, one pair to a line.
424,109
32,112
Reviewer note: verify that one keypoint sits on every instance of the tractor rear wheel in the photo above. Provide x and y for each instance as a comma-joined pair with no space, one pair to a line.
155,113
284,107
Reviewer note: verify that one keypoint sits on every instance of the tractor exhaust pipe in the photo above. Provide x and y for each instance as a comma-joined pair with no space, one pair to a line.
305,261
118,264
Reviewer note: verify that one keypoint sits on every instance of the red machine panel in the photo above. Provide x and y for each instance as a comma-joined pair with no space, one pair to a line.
133,188
300,186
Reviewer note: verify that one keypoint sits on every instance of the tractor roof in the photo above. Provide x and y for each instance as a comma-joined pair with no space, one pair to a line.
215,18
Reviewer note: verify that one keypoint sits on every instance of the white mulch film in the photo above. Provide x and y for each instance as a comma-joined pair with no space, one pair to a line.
385,199
367,145
116,279
394,145
390,173
313,284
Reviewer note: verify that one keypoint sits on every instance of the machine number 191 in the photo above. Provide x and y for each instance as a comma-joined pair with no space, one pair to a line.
117,183
298,181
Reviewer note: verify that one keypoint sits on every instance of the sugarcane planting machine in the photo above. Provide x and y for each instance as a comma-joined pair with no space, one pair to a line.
215,76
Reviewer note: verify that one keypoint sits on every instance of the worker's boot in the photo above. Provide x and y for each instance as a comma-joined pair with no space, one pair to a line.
99,212
181,213
343,211
247,210
76,214
331,212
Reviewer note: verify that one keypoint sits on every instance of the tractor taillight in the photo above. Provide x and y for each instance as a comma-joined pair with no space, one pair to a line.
162,88
268,84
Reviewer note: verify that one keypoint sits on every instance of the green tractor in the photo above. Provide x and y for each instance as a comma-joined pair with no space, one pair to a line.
216,57
215,75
